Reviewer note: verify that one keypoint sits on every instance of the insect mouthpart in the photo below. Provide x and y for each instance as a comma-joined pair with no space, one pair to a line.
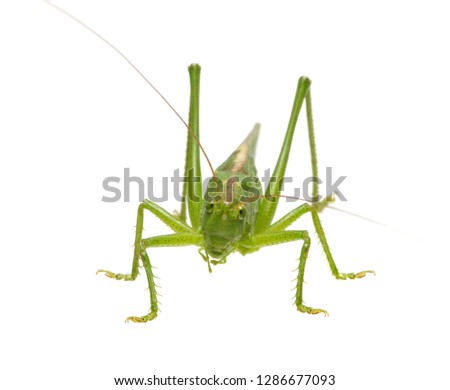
217,253
218,245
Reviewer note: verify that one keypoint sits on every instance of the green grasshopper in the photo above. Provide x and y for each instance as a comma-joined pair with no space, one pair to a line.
227,219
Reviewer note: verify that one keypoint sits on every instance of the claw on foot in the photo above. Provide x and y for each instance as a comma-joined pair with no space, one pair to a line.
150,316
352,275
311,310
109,274
112,275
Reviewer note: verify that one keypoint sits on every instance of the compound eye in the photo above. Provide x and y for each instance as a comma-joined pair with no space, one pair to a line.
242,212
210,207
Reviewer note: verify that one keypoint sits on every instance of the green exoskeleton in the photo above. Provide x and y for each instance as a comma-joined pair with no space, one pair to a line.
232,217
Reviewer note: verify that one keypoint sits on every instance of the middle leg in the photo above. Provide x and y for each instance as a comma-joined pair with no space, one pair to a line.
314,209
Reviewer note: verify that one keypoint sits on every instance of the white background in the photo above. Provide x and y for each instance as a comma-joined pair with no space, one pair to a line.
73,113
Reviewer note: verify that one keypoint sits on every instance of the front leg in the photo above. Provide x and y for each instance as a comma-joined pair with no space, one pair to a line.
183,233
300,278
152,290
280,237
168,240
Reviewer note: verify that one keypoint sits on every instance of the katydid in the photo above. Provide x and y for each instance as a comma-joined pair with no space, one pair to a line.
225,223
226,219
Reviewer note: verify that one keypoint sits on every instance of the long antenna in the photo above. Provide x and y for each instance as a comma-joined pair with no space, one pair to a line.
138,71
328,206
